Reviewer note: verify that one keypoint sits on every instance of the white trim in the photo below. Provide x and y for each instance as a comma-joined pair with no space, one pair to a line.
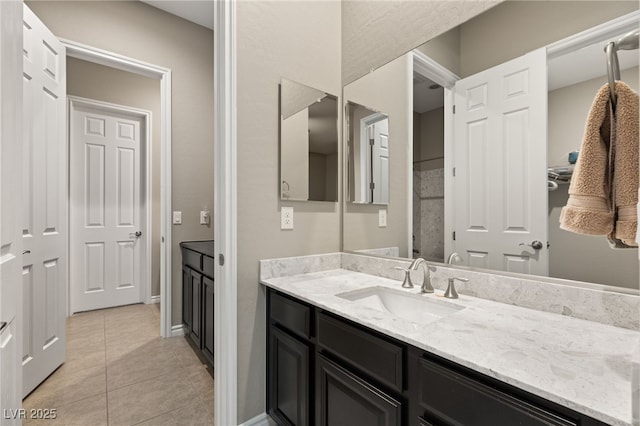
427,67
114,60
593,35
225,214
146,204
260,420
177,330
153,300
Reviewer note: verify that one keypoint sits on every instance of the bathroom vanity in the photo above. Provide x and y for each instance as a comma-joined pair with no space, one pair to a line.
334,357
198,295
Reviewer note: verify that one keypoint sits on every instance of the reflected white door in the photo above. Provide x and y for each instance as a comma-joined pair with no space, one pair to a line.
500,157
44,203
10,212
106,202
379,135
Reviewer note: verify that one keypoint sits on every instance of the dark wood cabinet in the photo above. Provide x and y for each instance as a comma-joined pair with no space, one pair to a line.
289,379
207,318
198,296
344,399
325,370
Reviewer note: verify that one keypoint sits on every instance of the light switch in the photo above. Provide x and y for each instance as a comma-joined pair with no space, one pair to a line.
286,218
177,218
204,217
382,218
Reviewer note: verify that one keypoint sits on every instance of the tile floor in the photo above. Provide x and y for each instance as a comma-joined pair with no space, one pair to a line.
120,372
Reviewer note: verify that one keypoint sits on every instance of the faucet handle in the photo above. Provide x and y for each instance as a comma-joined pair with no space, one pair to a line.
407,278
451,292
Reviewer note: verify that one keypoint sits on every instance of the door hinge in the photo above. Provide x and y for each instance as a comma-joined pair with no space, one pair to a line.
221,259
371,142
454,109
454,172
454,235
372,185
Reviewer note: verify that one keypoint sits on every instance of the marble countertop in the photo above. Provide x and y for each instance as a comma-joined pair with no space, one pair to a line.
583,365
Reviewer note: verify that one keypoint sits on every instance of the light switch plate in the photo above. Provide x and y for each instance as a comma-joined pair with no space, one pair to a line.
286,218
204,217
177,218
382,218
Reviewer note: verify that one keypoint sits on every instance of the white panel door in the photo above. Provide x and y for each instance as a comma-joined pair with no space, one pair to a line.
380,161
44,201
500,157
106,205
10,212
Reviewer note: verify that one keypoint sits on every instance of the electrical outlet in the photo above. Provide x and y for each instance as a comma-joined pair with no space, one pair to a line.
286,218
382,218
204,217
177,218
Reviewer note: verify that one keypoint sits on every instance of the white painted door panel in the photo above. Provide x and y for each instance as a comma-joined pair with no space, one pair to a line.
500,155
44,195
380,161
106,208
10,211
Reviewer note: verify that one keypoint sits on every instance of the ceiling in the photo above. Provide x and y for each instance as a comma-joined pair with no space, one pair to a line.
197,11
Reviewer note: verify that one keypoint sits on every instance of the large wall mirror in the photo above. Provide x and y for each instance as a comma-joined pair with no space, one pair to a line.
308,143
493,203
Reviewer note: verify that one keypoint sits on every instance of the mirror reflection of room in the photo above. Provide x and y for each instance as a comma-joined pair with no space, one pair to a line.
308,143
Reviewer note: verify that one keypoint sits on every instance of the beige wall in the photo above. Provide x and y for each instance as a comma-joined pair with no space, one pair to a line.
431,147
389,89
140,31
514,28
574,256
93,81
299,41
377,32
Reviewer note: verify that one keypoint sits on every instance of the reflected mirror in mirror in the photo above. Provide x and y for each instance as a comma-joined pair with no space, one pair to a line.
458,179
368,142
308,143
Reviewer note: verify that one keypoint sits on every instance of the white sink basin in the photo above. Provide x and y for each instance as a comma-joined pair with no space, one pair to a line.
410,306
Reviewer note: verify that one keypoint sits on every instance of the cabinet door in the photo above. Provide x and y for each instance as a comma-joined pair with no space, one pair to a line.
207,317
196,300
345,399
186,300
288,379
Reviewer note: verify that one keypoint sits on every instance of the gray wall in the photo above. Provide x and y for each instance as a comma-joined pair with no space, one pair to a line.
93,81
299,41
573,256
140,31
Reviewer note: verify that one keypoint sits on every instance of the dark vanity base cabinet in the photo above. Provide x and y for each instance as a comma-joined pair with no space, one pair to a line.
325,370
197,298
344,399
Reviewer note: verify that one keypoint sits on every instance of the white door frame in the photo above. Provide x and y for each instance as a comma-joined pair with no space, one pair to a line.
114,60
225,214
146,145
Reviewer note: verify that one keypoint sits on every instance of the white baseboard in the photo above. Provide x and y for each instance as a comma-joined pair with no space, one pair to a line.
177,330
260,420
155,299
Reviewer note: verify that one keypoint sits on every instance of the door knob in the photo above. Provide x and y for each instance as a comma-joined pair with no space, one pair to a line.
137,234
536,245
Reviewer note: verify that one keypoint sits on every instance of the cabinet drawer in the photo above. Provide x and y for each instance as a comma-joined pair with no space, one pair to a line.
207,266
373,355
291,315
446,396
192,259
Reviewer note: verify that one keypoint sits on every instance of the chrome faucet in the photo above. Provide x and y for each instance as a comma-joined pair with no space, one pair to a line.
454,256
451,292
426,279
